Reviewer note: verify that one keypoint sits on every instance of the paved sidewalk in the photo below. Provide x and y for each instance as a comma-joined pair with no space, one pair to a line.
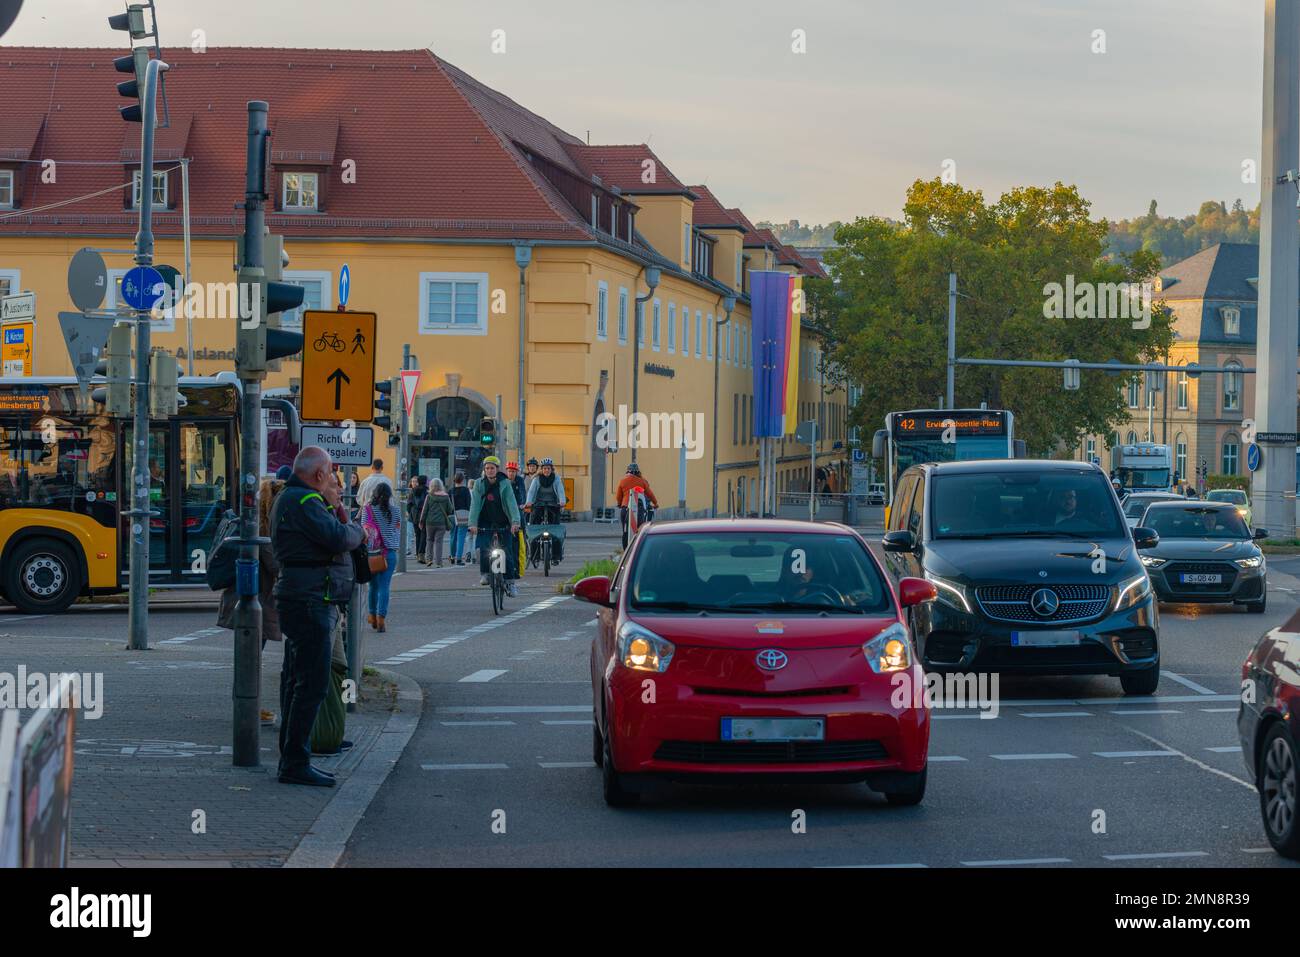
153,783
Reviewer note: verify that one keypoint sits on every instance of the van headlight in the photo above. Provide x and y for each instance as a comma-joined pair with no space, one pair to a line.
1150,561
891,650
1253,562
642,650
1133,591
952,594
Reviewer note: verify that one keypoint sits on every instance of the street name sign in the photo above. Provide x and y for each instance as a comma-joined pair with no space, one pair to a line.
338,365
1275,438
335,440
18,306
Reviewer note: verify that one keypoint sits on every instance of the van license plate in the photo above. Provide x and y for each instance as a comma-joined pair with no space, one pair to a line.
1044,639
1201,579
773,729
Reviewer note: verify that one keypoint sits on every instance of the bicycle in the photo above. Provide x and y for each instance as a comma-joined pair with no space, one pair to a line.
328,340
541,548
497,579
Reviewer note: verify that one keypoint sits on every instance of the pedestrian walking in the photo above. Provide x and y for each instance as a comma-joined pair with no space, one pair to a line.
383,523
312,541
414,505
372,481
460,504
268,570
437,518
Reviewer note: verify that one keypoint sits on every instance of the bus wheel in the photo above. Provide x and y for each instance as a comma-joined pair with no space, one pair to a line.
42,577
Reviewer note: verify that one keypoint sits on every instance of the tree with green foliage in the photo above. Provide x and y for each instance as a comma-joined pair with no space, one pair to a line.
887,310
1175,239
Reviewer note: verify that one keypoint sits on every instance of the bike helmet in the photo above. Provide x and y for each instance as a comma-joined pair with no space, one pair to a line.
549,461
513,465
492,460
532,461
634,469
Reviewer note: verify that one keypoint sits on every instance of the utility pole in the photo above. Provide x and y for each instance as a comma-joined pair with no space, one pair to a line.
523,256
952,338
403,461
728,303
1279,236
638,311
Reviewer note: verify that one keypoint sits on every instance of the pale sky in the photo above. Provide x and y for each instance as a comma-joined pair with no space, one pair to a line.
1010,90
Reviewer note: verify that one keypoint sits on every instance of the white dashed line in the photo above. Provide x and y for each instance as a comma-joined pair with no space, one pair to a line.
192,636
565,764
1218,710
1017,863
400,659
1231,749
1187,683
1136,754
1056,714
1154,857
946,757
1187,757
584,724
487,674
474,724
1146,711
1053,756
518,709
464,767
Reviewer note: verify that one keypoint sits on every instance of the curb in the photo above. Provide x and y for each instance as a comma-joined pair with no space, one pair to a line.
327,838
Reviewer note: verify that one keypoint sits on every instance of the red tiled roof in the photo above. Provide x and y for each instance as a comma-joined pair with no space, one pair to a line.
429,162
708,213
624,167
752,235
304,139
168,144
18,135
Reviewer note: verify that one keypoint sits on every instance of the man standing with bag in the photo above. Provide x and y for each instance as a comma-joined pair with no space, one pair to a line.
312,537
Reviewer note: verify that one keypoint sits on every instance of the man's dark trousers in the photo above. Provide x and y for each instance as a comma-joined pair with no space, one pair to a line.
308,629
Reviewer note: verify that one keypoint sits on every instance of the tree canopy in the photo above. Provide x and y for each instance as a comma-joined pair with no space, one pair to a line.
887,309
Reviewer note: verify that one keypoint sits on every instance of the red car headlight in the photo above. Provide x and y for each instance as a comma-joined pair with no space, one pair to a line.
642,650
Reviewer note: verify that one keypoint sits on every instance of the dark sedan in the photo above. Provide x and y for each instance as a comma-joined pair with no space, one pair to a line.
1270,704
1205,554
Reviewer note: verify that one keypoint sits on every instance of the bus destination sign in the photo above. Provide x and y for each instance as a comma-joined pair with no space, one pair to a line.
935,422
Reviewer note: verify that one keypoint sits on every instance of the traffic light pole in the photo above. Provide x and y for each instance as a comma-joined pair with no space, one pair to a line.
403,462
138,613
352,634
248,611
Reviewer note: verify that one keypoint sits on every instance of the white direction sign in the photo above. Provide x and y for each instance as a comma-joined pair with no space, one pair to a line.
353,445
19,306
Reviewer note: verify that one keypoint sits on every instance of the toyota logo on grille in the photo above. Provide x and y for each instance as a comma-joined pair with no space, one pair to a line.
771,659
1044,603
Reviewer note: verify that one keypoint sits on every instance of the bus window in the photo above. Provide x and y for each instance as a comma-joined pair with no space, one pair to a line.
47,461
205,485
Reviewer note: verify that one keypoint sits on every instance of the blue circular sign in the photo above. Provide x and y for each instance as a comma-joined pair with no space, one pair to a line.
1253,455
142,287
345,284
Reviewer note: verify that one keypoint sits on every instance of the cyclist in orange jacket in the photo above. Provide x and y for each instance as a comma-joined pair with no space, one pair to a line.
630,481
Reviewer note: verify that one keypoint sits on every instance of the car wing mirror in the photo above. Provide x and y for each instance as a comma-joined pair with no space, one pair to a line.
594,589
899,541
1260,533
915,591
1144,537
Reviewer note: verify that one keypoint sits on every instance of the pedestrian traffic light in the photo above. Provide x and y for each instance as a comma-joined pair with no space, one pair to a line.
487,431
383,405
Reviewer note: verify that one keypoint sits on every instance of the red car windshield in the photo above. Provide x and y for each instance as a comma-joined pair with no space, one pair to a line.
756,573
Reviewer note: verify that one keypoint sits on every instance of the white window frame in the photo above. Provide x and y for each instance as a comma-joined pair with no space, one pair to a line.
1180,455
7,177
656,326
15,279
284,192
1133,396
1231,321
622,315
699,326
480,328
602,310
672,327
114,279
160,176
1181,389
322,276
686,330
1232,397
1230,441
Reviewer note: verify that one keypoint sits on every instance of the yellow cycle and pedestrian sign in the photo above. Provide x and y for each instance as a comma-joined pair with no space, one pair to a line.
338,365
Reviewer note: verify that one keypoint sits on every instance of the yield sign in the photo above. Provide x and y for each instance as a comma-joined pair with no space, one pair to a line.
410,382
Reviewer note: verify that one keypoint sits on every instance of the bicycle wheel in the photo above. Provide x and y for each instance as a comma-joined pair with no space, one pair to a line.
546,557
338,344
498,594
320,344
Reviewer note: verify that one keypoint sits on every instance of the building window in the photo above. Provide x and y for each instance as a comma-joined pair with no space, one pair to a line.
1232,388
159,188
8,282
1231,321
672,327
1180,389
300,191
622,316
453,303
686,331
602,310
1180,456
316,288
1132,437
735,418
699,332
656,324
1230,449
1091,452
1134,392
686,244
595,211
6,189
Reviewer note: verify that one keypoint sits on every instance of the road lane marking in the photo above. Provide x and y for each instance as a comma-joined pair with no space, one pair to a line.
192,636
1056,714
946,757
565,764
1147,711
1187,757
1016,863
1163,699
1187,683
487,674
590,624
1153,857
474,724
845,866
403,657
464,767
1258,850
583,723
1136,754
517,709
1231,749
1055,756
954,717
1219,710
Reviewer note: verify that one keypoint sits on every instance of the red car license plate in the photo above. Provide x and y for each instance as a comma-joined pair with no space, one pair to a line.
773,729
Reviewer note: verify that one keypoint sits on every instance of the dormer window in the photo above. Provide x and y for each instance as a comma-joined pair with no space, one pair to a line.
159,188
301,192
6,189
1231,321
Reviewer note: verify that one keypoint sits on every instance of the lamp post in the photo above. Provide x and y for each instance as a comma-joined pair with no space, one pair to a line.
652,281
728,303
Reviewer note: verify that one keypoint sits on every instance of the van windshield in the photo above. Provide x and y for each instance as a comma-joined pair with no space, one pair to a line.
1047,504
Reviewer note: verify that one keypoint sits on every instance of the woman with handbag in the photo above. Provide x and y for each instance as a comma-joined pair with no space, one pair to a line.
382,521
460,503
436,518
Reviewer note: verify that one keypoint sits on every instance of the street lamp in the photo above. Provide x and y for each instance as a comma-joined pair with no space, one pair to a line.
728,303
651,280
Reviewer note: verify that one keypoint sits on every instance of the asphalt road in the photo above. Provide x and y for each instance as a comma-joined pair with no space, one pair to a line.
499,772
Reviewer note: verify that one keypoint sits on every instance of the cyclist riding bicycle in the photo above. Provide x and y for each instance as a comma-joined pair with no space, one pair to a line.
546,500
493,510
630,481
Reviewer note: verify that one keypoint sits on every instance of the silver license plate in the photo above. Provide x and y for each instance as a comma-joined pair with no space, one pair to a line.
1044,639
773,729
1201,579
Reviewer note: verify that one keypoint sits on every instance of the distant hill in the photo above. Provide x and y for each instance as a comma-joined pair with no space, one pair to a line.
794,233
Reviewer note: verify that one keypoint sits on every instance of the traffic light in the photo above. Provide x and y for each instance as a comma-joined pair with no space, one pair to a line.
164,394
116,368
383,405
135,63
487,432
259,338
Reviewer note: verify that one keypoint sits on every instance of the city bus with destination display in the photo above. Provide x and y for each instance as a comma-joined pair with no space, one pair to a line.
65,478
942,435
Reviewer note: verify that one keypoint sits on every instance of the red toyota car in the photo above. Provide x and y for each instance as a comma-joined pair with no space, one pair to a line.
1270,743
734,649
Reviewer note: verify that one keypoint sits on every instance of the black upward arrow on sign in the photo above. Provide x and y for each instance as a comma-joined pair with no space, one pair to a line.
338,377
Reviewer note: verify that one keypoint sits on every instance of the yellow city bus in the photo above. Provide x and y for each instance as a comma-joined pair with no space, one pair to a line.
65,474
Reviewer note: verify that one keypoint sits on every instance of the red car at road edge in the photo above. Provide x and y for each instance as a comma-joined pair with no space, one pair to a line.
1270,742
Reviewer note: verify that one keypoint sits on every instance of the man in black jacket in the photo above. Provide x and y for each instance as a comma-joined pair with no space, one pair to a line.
313,537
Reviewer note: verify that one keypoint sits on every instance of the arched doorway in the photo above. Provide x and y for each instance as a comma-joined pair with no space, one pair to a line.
598,456
449,436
